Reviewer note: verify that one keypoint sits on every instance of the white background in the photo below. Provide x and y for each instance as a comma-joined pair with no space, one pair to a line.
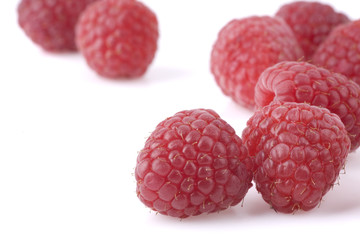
69,138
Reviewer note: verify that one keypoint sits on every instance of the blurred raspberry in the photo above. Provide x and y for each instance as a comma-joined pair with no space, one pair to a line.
118,38
246,47
51,23
341,50
311,22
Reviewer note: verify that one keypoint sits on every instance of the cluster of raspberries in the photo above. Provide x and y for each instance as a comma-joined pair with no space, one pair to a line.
300,70
118,38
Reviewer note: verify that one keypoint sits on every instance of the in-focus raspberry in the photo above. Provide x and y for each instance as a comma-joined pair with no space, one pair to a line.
299,151
51,24
118,38
303,82
246,47
311,22
193,163
341,50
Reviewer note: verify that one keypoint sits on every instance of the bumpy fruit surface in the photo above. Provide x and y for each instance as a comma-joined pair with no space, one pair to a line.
51,24
311,23
118,38
192,163
341,50
303,82
299,151
246,47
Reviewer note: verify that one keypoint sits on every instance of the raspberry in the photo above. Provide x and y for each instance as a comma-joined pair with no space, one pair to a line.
340,51
51,24
191,164
118,38
303,82
299,151
246,47
311,22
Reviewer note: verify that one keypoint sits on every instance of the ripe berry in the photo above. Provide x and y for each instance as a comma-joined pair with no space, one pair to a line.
303,82
118,38
51,24
311,23
299,151
191,164
341,50
246,47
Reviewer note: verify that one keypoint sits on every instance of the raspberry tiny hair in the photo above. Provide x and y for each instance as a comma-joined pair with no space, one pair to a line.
246,47
340,51
193,163
51,24
311,22
304,82
118,38
298,152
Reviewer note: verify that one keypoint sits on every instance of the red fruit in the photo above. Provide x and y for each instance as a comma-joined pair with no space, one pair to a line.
191,164
118,38
246,47
311,23
51,24
341,50
303,82
299,151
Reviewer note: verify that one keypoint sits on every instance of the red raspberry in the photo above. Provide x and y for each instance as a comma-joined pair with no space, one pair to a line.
51,24
118,37
299,151
191,164
303,82
311,22
246,47
341,50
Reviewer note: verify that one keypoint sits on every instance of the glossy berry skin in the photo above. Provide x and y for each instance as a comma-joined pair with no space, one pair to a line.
311,23
51,24
192,163
341,50
303,82
246,47
299,151
118,38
